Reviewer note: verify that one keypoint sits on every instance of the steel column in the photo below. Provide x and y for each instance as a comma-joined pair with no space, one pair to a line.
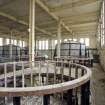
19,49
104,20
59,38
11,45
32,30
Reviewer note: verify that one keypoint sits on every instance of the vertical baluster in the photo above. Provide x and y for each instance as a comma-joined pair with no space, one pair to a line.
82,89
47,75
56,64
23,75
5,74
42,79
62,77
62,70
55,73
76,72
84,62
14,73
91,62
40,83
69,70
5,80
32,66
76,91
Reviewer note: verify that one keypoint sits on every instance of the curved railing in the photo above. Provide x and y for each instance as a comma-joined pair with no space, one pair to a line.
43,78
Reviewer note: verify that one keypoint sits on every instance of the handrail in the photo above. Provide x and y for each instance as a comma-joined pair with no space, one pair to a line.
73,58
47,89
87,61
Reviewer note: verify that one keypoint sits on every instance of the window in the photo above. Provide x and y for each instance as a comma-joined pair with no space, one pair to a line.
46,44
1,41
87,41
40,45
56,42
11,41
24,44
82,40
43,45
7,41
70,39
75,40
65,40
20,43
53,43
15,42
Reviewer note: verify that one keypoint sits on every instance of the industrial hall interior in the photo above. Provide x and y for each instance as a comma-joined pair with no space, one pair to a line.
52,52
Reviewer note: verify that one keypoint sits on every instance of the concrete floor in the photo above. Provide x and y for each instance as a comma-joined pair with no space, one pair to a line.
98,85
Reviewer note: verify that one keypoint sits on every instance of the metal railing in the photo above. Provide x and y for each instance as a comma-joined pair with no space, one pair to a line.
86,61
46,78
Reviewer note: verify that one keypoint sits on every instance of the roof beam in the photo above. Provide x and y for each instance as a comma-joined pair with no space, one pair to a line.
85,22
75,22
43,31
22,22
89,34
85,29
44,7
84,15
73,5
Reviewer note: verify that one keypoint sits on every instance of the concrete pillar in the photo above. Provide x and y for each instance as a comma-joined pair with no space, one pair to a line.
18,43
37,47
44,42
11,45
52,54
32,30
41,44
26,43
100,32
59,38
49,48
22,41
104,22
